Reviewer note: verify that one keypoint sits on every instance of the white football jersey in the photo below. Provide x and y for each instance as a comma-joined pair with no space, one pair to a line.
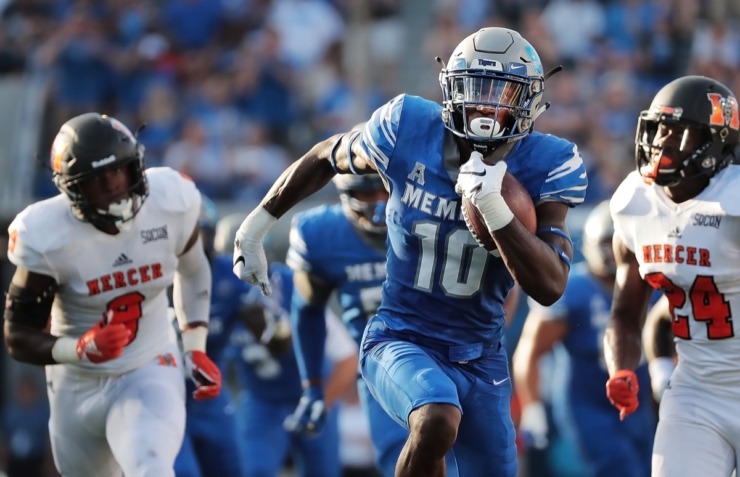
691,251
128,273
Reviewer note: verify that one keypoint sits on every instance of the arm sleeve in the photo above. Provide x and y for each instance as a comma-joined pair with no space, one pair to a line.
309,335
191,292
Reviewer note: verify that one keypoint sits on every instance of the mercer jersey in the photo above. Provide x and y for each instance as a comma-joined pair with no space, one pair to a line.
690,251
440,282
586,307
324,243
128,273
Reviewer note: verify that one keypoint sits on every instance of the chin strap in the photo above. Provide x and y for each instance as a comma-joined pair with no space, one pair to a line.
123,211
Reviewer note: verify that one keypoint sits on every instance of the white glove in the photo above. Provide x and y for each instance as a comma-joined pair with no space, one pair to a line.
481,184
533,425
660,370
250,260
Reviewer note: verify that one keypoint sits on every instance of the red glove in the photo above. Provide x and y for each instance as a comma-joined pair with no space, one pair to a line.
621,389
103,342
204,373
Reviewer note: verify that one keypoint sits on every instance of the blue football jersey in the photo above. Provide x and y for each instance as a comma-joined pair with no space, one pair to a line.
274,378
324,243
579,401
228,295
440,283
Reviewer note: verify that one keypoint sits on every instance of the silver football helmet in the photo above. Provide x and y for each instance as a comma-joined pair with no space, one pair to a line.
498,74
598,231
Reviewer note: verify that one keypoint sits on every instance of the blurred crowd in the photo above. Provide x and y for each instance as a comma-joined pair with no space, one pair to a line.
232,91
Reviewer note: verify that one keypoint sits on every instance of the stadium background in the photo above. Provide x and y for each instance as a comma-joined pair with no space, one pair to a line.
232,91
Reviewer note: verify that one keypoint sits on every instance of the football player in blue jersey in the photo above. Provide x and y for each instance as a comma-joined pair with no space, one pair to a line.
271,387
432,355
356,271
578,321
210,446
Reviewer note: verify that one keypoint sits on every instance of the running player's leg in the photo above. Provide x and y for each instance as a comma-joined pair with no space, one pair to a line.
690,440
412,387
77,424
485,443
388,436
146,421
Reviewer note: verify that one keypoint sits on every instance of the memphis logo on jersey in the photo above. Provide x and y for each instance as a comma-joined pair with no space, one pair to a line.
127,278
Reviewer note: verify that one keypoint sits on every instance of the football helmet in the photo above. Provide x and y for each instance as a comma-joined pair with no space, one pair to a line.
88,145
367,215
696,122
497,74
596,247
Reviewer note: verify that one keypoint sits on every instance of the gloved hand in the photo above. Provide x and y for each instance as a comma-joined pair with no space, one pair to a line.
481,183
533,425
250,260
310,414
621,389
204,373
103,342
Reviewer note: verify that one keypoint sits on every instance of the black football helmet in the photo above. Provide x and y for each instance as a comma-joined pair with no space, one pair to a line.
495,70
596,247
365,215
705,112
85,146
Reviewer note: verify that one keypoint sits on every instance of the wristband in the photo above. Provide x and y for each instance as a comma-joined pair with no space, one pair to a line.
495,211
64,350
194,339
660,370
256,225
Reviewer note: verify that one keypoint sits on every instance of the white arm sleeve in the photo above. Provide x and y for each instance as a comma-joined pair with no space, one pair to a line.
339,343
191,291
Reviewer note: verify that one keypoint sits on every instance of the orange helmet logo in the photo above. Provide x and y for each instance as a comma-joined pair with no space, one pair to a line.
724,111
58,149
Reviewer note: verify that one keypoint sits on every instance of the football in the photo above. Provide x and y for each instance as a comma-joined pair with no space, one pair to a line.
518,200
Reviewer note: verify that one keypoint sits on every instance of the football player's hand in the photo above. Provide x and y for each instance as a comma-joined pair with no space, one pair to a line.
482,183
533,425
103,342
204,373
621,389
250,260
308,418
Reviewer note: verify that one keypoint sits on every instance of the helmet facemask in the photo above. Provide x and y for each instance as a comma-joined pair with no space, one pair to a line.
681,155
88,146
492,91
690,131
116,213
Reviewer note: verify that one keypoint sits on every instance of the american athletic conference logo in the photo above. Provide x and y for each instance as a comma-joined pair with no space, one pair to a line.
157,233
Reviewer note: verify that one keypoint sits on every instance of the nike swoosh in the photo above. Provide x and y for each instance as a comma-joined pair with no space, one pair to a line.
472,173
498,383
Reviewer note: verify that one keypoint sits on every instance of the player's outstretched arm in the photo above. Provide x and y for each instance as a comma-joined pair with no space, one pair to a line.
191,298
623,336
303,178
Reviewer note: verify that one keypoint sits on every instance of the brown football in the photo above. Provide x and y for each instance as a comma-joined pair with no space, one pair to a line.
518,200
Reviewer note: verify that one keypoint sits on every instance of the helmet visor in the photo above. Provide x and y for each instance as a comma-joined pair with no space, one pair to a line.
487,91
